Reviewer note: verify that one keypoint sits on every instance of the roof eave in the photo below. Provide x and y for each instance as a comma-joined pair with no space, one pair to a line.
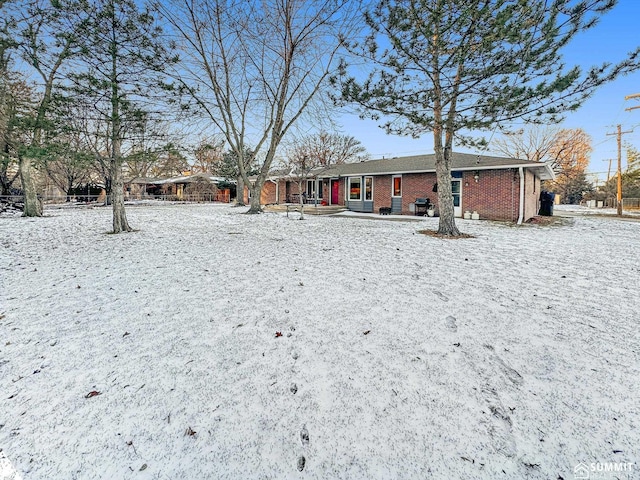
544,170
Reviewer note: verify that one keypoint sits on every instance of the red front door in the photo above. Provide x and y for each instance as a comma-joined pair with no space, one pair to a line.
335,189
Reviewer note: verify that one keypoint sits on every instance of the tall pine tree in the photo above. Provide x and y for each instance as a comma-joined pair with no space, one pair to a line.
123,55
455,67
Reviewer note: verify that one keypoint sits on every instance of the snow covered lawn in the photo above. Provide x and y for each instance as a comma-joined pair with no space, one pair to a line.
212,344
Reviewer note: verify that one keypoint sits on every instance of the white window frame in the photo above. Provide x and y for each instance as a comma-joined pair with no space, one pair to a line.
393,177
365,189
349,179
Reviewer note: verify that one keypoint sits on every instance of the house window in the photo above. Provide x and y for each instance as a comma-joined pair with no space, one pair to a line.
455,191
396,182
311,189
368,188
355,188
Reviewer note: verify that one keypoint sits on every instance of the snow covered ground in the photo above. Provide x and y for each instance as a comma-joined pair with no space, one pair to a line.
584,210
212,344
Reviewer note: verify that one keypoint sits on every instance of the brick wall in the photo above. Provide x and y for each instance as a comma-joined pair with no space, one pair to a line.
294,189
342,188
381,192
417,185
494,196
269,190
268,194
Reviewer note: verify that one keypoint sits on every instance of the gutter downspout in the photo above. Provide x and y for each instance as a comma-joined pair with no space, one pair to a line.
277,190
521,205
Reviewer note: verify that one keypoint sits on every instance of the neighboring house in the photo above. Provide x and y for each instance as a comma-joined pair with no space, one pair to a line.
184,187
496,188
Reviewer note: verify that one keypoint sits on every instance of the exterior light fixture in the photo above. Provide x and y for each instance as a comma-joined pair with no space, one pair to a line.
476,176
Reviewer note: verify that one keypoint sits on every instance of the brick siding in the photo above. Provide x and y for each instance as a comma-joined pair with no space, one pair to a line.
495,196
268,194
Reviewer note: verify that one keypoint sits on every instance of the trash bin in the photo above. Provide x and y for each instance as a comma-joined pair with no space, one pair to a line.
546,203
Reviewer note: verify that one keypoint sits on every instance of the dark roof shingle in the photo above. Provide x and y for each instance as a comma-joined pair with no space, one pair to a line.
425,163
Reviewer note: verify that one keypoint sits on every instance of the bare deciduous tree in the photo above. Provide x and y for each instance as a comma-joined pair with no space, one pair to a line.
332,148
568,149
67,170
301,163
254,67
92,132
169,163
306,156
533,144
209,156
150,148
570,153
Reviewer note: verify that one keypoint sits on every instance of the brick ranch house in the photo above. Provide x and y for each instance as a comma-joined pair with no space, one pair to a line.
496,188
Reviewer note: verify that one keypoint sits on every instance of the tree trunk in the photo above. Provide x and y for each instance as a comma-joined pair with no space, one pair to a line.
120,223
254,204
5,184
240,192
447,223
68,189
32,206
301,201
107,191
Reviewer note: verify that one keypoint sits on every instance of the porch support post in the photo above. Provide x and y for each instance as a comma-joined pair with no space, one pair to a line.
521,197
315,197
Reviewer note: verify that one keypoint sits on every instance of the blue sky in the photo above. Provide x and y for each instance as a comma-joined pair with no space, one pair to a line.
610,41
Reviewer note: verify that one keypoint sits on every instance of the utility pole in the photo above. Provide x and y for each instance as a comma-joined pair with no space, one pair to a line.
619,134
609,170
